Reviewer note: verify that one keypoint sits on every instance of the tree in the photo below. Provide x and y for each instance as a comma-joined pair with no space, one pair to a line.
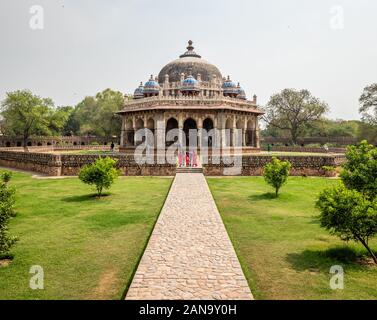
59,119
276,173
292,110
102,174
7,201
349,215
350,210
368,132
360,171
368,104
26,114
96,115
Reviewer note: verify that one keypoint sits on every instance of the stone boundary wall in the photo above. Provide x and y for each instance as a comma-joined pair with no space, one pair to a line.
305,149
71,165
58,148
252,165
68,165
343,141
45,163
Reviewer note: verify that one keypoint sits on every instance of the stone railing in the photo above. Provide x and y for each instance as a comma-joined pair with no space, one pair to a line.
134,105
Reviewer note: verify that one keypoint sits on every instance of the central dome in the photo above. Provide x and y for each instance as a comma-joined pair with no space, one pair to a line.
189,63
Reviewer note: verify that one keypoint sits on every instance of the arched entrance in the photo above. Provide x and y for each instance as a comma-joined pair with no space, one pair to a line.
171,124
250,134
228,133
189,124
208,126
130,134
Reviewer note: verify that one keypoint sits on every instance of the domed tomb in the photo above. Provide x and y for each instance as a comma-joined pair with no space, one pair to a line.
189,63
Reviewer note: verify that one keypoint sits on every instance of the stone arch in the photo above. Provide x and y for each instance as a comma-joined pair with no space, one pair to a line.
139,124
150,124
171,124
250,133
208,125
240,124
8,144
189,124
228,132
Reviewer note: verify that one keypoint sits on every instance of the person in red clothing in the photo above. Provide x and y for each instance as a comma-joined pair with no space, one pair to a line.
187,160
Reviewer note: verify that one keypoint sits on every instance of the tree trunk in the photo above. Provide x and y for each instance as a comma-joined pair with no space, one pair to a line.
276,192
294,136
25,142
99,192
369,250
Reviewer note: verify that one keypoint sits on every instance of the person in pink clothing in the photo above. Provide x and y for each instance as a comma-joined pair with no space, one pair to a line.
194,160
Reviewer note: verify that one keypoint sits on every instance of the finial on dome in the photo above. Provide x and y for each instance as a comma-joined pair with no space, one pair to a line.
190,51
190,47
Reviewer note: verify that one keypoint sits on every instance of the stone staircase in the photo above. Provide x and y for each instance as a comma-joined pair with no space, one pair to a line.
190,170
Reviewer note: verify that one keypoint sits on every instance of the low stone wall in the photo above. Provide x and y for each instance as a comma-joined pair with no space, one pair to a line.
70,165
252,165
305,149
45,163
58,148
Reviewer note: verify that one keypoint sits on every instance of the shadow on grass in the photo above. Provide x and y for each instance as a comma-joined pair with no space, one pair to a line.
263,196
315,260
85,197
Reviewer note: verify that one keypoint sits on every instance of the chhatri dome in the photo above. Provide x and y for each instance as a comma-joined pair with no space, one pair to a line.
189,62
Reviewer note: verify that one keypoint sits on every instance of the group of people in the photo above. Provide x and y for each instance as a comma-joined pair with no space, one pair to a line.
187,159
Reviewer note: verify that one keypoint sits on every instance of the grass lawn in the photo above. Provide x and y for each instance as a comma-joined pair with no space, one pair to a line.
283,251
89,248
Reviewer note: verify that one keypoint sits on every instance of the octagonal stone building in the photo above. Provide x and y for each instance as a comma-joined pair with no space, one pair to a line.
191,93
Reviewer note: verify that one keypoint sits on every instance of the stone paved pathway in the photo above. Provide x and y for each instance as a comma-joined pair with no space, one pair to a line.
189,255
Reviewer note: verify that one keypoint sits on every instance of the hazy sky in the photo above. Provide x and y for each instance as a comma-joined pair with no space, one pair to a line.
328,47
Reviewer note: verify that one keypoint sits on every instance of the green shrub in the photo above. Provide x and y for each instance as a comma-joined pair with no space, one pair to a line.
350,210
6,176
360,170
102,174
349,215
7,202
329,168
276,173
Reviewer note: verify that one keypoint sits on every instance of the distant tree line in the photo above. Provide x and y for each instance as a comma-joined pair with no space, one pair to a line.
290,114
297,114
26,114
